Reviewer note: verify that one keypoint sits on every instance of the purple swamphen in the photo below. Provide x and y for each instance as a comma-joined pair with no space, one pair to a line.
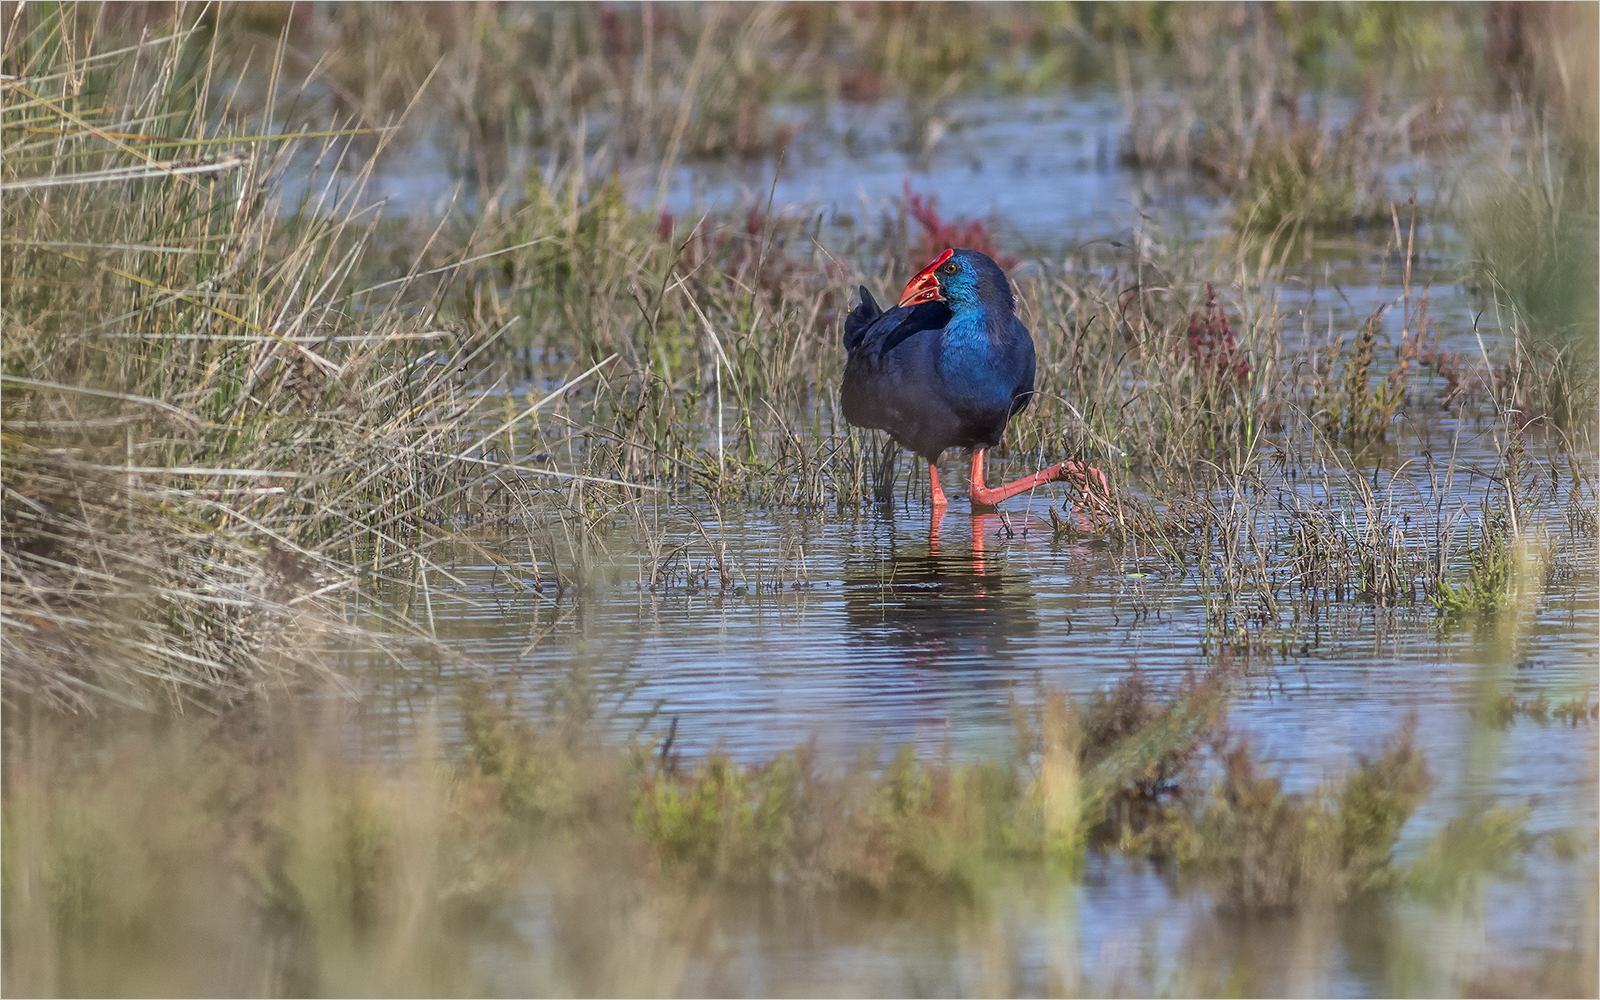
948,368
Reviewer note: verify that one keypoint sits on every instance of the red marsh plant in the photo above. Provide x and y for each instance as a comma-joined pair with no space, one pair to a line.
939,233
1210,343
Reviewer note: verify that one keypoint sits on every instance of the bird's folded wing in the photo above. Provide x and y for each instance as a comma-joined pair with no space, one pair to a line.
893,326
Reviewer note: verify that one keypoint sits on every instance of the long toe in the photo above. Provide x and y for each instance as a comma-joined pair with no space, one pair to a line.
1095,485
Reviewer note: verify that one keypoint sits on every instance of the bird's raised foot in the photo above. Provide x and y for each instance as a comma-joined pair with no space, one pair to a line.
988,498
1096,488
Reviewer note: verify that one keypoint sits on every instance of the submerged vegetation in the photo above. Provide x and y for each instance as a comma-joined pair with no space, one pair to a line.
247,430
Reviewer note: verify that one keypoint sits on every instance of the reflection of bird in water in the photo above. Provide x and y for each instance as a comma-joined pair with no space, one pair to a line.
945,604
948,368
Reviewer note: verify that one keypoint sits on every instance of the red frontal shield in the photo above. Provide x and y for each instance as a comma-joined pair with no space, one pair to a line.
925,287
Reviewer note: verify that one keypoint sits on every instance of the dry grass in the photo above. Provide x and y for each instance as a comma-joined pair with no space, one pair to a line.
217,431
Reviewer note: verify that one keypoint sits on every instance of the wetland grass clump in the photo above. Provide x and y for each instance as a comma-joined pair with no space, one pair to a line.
1534,236
1489,582
1471,850
1141,366
1299,179
1240,120
1505,710
1349,405
1516,547
265,854
1533,223
1085,776
219,856
1261,849
1088,776
216,431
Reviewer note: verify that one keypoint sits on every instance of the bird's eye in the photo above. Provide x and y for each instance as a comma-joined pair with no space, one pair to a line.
950,268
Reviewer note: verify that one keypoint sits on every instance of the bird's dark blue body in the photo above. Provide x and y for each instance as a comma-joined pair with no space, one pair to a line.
945,373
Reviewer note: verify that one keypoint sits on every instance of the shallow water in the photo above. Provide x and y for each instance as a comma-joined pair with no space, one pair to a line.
1044,168
867,630
892,639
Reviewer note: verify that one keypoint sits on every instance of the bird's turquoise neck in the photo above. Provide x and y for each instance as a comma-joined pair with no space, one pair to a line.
969,325
967,360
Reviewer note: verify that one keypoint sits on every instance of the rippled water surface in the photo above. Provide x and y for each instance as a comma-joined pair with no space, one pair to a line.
866,630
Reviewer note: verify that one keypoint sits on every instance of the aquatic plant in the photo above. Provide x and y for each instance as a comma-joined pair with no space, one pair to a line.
1210,342
230,851
1348,404
1488,586
1301,179
1086,775
1239,124
1263,849
1534,259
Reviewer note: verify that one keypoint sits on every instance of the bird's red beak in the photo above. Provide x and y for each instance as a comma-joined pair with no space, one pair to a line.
925,287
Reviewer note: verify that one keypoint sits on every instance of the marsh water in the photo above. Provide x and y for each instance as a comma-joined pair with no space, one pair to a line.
867,633
869,629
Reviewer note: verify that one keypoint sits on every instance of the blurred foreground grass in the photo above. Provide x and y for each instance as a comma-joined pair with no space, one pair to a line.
256,854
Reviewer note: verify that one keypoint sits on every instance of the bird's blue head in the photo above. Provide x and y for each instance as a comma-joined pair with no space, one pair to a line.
962,278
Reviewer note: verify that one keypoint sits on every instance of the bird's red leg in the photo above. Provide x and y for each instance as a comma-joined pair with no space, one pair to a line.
1093,480
939,501
976,491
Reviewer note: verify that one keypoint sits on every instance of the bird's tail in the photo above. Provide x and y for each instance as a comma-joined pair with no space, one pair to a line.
858,319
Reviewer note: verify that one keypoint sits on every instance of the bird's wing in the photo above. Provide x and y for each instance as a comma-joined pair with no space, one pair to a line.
857,320
1024,392
892,326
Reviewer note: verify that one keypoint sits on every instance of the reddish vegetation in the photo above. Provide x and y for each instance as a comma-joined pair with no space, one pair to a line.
616,41
937,234
1211,343
861,85
1462,382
